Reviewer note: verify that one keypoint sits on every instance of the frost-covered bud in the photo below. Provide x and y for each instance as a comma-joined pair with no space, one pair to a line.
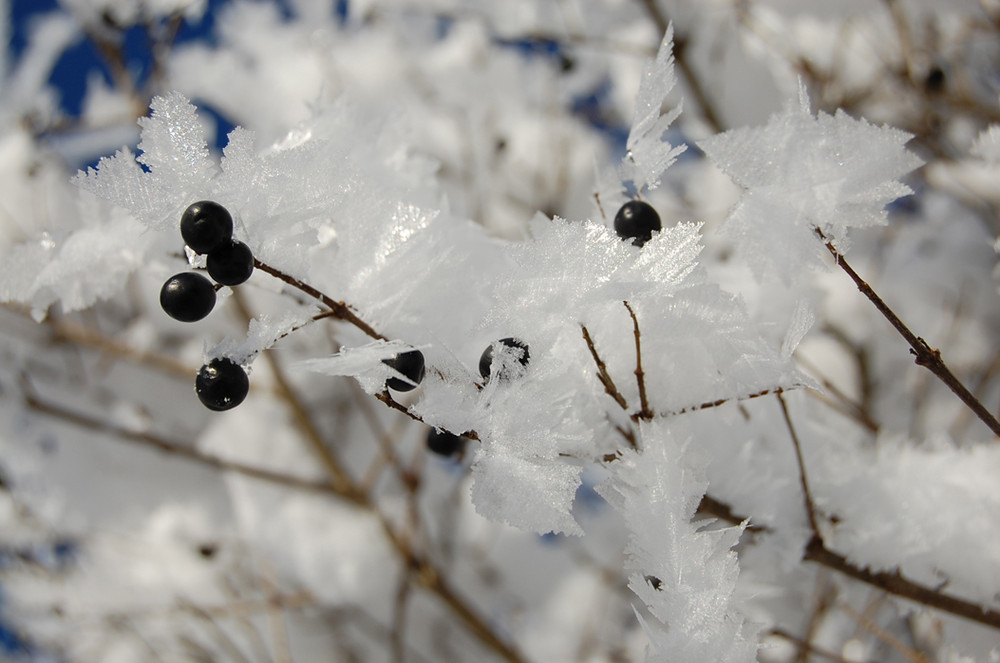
513,347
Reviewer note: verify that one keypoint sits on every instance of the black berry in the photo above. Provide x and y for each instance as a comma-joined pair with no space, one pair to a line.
206,226
637,220
410,364
444,443
230,264
518,347
935,80
187,296
222,384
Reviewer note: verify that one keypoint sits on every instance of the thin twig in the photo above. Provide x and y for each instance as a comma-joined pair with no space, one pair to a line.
806,494
602,371
387,398
894,583
848,406
424,572
824,597
399,619
275,616
644,412
926,356
340,309
221,637
168,446
808,647
722,401
872,627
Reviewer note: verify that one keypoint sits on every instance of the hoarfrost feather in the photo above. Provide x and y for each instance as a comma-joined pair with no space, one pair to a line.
363,363
686,576
262,333
987,145
649,155
801,172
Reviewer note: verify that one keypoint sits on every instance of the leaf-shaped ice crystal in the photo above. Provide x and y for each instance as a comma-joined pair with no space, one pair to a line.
803,171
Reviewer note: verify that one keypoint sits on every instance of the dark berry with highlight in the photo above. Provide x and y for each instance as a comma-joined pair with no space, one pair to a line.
187,297
637,220
222,384
206,225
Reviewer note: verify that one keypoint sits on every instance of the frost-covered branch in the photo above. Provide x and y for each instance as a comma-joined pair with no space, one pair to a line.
337,309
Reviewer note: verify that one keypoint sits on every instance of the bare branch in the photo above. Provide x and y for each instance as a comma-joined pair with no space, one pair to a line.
339,309
644,411
926,356
806,494
602,371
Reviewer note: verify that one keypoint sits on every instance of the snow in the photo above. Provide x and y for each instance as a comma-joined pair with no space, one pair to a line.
802,172
448,173
686,577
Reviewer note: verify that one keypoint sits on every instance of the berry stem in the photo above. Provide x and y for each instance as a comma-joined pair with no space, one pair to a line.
644,411
926,356
339,309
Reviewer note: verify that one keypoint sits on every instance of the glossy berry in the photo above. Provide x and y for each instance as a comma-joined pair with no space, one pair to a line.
187,296
637,220
519,350
410,364
206,226
230,264
222,384
444,443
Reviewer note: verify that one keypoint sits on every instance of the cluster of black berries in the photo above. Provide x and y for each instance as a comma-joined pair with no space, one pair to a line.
207,228
637,220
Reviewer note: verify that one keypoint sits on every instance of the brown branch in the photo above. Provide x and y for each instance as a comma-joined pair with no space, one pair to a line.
339,309
806,494
723,401
602,371
926,356
893,583
165,445
424,572
644,412
387,398
847,406
64,331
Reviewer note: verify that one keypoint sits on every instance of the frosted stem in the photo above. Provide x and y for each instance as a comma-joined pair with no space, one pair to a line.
640,377
926,356
339,309
807,495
